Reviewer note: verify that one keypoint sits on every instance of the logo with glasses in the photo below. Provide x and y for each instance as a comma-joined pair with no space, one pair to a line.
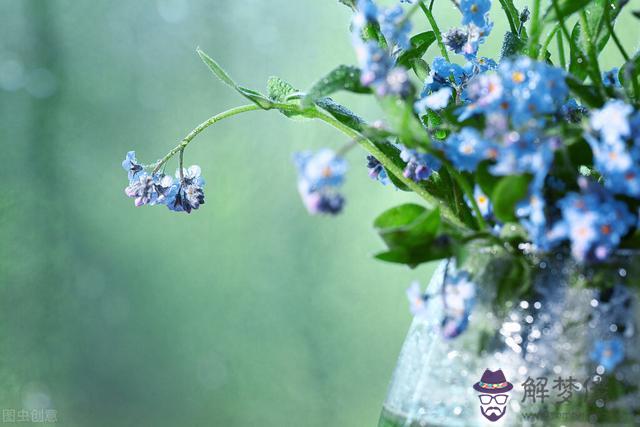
493,389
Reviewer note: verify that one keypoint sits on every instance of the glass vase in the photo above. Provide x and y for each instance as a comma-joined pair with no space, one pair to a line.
565,353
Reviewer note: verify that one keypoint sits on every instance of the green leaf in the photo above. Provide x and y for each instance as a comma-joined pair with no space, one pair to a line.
507,193
578,62
349,3
216,69
629,74
341,113
278,89
403,122
587,93
636,13
419,45
407,226
256,97
566,8
421,68
342,78
485,180
511,46
597,12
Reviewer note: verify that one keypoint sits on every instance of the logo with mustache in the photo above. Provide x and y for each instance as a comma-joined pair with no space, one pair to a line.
493,389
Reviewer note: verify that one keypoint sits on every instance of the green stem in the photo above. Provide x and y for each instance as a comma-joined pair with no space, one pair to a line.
607,20
510,18
535,30
547,41
202,126
436,30
563,60
390,166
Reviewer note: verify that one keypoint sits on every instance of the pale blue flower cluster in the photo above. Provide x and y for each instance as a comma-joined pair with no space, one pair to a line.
615,142
378,65
320,176
458,297
183,194
419,166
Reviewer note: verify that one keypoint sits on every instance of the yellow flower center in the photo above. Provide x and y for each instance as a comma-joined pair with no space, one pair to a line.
517,76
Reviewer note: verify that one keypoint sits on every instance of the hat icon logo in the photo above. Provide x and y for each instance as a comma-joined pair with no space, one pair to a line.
493,389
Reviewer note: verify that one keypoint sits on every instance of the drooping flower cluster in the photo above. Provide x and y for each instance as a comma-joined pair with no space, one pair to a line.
458,298
615,142
183,194
378,65
420,166
320,176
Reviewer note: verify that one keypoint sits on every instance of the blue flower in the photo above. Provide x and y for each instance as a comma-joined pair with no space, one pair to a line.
377,171
455,39
608,353
572,112
612,121
532,89
467,148
477,36
594,222
323,201
610,78
188,194
321,169
320,175
150,189
459,296
419,166
131,165
483,202
475,11
525,152
417,300
533,217
395,28
436,101
484,94
443,74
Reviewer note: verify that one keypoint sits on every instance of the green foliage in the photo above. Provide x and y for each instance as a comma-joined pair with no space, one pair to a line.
507,193
413,234
404,122
564,9
256,97
419,45
278,89
342,78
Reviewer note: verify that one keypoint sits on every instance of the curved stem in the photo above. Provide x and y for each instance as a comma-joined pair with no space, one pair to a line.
547,41
202,126
436,29
510,18
390,166
607,19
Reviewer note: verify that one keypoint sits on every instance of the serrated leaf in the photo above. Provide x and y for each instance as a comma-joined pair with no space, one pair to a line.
344,77
507,193
419,45
566,8
279,89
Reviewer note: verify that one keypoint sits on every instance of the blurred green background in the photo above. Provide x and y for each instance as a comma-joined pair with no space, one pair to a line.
247,312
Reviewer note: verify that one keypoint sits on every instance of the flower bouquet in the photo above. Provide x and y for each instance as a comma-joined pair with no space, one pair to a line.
527,169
